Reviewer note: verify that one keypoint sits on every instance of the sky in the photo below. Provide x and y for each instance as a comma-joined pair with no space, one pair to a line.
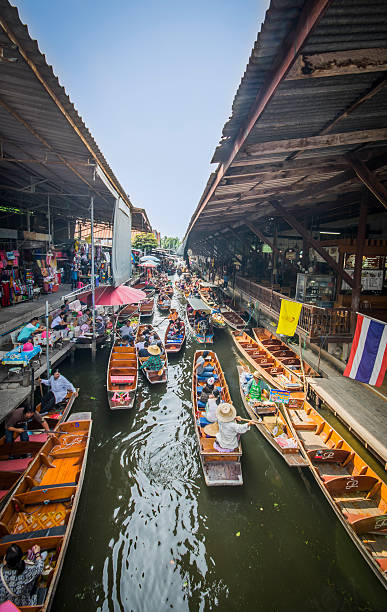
154,82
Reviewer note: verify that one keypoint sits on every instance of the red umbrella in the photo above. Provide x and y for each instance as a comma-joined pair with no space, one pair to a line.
148,264
114,296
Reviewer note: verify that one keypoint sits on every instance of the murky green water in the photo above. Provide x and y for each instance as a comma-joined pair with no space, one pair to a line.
150,536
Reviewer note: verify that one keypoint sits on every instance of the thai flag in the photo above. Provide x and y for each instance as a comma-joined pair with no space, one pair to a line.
368,359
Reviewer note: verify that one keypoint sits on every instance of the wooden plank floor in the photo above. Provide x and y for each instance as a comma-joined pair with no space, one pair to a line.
362,410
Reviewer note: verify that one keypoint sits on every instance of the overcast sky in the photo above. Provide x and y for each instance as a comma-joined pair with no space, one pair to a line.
154,82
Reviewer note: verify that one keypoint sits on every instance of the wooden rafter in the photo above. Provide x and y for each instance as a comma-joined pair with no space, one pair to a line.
369,179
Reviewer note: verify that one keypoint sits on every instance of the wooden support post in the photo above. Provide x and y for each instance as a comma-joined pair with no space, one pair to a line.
361,233
315,244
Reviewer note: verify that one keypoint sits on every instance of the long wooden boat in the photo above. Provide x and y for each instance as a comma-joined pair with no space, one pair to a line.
122,376
147,308
174,344
164,306
268,367
152,377
14,459
232,318
207,338
273,426
218,468
283,353
354,491
42,509
128,311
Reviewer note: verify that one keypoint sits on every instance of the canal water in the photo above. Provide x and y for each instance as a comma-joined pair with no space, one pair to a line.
149,536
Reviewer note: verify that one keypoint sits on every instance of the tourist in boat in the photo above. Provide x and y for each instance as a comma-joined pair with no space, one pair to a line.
203,369
173,315
126,333
17,423
59,387
229,431
32,328
209,414
161,347
140,343
207,390
154,363
17,578
143,352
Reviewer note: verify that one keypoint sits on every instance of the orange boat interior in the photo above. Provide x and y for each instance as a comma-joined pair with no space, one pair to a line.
122,373
283,352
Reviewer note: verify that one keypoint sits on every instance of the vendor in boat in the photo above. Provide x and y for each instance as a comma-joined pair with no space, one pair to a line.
17,578
59,387
17,423
229,431
254,387
203,369
154,363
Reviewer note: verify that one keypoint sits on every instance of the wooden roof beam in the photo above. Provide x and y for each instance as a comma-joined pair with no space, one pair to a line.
338,63
369,179
315,244
296,166
263,238
322,141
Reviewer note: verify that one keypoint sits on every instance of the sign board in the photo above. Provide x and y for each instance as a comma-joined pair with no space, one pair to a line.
37,236
332,251
371,280
277,395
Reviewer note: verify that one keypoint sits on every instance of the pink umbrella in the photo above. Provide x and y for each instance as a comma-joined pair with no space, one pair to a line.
148,264
114,296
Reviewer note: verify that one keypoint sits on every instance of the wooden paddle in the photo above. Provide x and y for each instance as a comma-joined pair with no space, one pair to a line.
249,420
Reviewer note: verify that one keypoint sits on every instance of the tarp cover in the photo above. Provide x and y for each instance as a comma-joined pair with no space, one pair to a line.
121,251
197,304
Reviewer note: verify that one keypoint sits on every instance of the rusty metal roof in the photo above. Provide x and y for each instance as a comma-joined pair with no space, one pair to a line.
328,105
46,148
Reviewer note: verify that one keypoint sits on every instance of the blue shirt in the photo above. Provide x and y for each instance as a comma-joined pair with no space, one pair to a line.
26,332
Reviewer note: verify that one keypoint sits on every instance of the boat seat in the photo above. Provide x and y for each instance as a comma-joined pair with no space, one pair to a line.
382,561
53,486
121,379
351,483
40,533
15,465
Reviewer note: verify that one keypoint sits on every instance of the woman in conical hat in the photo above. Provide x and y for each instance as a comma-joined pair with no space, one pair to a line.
229,430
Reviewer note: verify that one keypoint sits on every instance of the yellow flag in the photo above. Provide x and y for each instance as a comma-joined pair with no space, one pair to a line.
288,319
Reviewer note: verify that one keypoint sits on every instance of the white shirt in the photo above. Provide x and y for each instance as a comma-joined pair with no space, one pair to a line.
211,410
56,321
228,434
59,387
139,345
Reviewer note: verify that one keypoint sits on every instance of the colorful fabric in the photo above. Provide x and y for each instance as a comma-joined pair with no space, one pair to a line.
255,391
19,357
288,319
368,359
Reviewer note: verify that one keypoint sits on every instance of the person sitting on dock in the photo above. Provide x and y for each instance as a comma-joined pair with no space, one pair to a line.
17,422
229,431
59,387
18,578
33,327
154,363
203,370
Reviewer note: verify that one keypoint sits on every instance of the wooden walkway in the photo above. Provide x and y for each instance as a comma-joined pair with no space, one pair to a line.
362,410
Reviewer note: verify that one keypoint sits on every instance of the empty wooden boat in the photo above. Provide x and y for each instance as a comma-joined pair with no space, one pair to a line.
232,318
289,359
146,308
219,469
122,376
14,459
174,342
154,377
43,506
273,426
127,312
354,491
269,368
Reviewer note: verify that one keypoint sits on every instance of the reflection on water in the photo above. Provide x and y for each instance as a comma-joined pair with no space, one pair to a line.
150,536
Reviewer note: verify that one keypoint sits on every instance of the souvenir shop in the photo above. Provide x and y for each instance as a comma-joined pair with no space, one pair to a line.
81,264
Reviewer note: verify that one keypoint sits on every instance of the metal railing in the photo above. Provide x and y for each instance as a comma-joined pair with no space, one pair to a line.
314,321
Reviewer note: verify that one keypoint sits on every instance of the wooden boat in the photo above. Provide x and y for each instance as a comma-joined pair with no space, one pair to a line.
174,344
217,320
232,318
289,359
12,469
273,426
164,305
268,367
354,491
202,338
154,378
218,468
43,506
122,376
128,311
147,308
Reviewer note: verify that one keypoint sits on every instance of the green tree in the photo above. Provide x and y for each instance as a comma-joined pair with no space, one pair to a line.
169,242
145,242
